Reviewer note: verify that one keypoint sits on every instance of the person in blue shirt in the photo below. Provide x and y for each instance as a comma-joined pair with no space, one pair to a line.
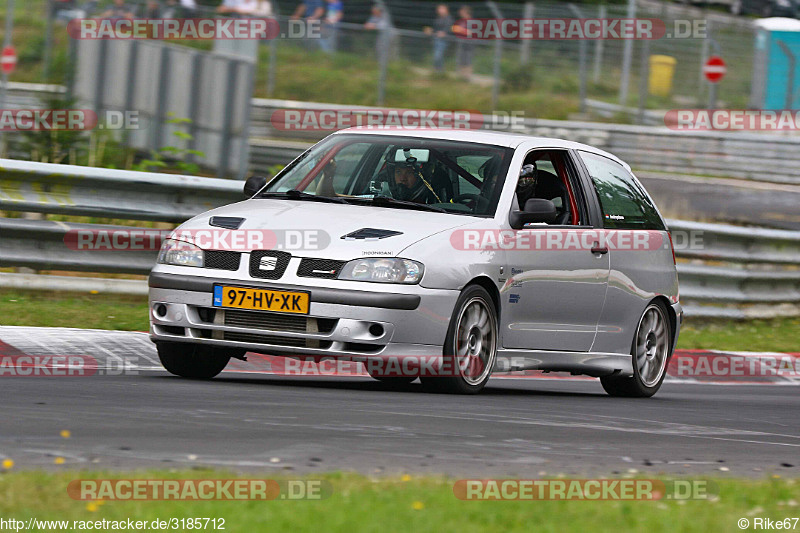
441,30
330,25
309,10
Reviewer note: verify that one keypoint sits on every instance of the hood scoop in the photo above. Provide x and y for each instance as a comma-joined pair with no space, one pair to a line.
370,234
226,222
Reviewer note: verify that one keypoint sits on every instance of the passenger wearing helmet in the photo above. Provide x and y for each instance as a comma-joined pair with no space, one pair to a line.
526,186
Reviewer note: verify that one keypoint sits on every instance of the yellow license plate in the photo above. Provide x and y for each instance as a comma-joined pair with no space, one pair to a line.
261,299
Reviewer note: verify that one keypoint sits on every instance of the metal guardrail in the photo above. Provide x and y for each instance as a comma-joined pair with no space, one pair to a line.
72,190
733,272
768,157
755,156
737,244
42,245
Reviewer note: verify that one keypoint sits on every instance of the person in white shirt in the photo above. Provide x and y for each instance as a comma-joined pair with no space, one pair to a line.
255,8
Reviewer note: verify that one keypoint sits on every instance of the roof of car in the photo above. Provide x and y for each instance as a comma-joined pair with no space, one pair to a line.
497,138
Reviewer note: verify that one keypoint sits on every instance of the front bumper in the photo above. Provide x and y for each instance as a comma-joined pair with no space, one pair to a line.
342,322
677,308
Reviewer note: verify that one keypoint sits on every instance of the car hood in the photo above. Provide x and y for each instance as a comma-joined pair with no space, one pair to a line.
314,229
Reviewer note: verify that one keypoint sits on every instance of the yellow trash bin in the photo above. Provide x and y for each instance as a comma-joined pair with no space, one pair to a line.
662,68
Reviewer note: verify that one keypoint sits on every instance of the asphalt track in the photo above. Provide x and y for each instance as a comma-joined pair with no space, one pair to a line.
725,200
132,414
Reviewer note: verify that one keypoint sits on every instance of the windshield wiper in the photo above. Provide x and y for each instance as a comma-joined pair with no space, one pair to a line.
294,194
386,201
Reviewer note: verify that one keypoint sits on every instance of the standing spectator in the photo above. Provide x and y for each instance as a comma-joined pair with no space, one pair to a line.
152,10
466,46
255,8
380,22
264,9
330,27
185,10
229,7
377,20
312,12
441,31
309,10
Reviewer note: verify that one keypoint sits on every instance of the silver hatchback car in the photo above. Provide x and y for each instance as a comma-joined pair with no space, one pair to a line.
451,254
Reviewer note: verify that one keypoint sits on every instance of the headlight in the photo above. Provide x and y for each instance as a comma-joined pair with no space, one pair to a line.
383,270
180,253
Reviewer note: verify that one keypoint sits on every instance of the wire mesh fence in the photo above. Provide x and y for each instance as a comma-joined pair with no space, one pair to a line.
394,61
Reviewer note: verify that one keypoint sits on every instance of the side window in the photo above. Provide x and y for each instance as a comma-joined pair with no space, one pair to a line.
344,165
623,202
548,177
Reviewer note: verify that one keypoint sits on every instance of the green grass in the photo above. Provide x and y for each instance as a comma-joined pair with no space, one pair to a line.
777,335
352,78
90,311
359,503
129,313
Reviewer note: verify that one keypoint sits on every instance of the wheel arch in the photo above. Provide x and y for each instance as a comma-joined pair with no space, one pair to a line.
491,288
671,316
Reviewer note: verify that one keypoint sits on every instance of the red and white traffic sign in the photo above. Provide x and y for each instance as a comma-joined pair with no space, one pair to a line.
714,69
8,61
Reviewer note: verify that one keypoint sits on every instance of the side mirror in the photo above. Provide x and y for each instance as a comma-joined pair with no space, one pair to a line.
253,185
536,210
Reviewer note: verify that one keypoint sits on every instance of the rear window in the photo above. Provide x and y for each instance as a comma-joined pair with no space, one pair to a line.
623,202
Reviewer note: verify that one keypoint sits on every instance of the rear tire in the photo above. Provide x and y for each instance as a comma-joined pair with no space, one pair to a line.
470,348
650,354
194,361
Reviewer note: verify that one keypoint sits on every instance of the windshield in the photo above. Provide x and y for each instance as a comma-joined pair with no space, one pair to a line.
398,172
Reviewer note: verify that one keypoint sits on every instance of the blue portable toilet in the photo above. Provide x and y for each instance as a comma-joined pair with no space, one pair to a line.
771,64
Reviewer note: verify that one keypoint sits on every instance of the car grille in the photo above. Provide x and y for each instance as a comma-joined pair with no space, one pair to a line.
256,338
320,268
222,260
278,322
273,266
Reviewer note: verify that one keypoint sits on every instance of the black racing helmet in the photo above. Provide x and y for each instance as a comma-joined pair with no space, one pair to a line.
526,185
402,192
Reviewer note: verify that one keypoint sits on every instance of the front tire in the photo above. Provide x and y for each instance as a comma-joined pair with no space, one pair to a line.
650,353
470,348
193,361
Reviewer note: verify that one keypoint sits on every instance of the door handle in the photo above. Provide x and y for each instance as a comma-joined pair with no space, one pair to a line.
597,249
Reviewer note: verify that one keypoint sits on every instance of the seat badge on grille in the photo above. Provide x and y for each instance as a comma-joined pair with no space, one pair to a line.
329,272
268,263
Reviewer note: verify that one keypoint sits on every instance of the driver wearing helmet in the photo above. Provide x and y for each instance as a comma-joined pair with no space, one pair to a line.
407,182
